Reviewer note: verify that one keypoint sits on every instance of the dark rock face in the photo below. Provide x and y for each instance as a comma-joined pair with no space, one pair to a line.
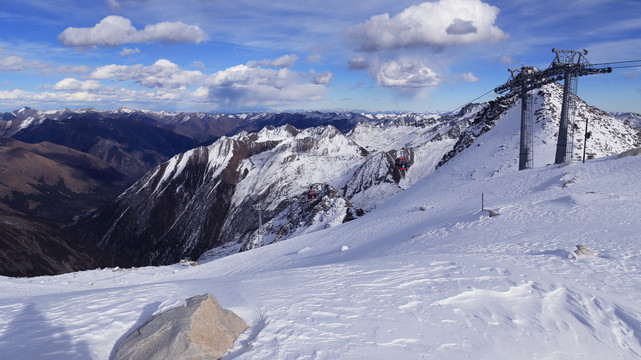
31,248
131,146
53,183
378,169
158,221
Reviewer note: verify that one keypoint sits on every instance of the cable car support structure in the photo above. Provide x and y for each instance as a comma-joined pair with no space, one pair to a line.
567,65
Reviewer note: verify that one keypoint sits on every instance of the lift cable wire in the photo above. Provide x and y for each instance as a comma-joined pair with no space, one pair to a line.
618,62
626,67
471,101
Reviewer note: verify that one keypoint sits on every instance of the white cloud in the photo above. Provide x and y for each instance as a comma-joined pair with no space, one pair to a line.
438,25
357,64
12,95
105,95
201,93
323,78
198,65
406,73
461,27
116,30
285,61
238,87
16,63
244,86
71,84
113,4
468,77
162,74
128,51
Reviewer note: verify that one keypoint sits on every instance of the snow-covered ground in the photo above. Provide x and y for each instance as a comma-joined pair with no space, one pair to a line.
427,275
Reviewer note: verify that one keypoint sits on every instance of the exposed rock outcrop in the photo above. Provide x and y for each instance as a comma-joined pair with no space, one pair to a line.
201,329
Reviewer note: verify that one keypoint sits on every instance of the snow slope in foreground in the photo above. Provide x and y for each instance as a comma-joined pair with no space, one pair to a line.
448,282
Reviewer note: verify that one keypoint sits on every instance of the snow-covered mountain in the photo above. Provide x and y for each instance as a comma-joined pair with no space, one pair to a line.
206,199
425,275
632,119
202,126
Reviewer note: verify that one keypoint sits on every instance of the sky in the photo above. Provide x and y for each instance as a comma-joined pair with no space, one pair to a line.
249,55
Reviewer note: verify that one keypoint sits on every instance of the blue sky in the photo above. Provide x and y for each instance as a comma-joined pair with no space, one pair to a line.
250,55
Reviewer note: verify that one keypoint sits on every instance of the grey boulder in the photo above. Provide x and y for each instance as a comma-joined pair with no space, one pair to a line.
201,329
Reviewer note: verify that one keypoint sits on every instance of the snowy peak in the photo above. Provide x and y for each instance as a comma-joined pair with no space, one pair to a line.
199,199
492,140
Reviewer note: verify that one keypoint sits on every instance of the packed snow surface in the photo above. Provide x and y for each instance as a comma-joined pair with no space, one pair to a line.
428,275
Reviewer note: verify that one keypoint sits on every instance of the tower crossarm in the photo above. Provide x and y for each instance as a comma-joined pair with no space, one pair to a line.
559,70
528,77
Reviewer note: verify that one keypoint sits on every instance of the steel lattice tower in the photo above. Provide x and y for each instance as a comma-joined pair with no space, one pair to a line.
568,65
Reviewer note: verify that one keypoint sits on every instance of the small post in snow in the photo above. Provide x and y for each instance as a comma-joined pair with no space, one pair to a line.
482,202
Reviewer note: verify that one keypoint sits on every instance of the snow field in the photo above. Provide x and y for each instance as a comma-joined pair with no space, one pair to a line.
445,283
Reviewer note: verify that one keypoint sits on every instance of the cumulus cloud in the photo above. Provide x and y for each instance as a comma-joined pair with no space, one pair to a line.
245,86
323,78
12,95
128,51
406,73
438,25
461,27
162,74
357,64
116,30
285,61
16,63
468,77
238,87
71,84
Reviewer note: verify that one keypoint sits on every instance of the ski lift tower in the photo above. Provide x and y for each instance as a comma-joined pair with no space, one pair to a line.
568,65
521,82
